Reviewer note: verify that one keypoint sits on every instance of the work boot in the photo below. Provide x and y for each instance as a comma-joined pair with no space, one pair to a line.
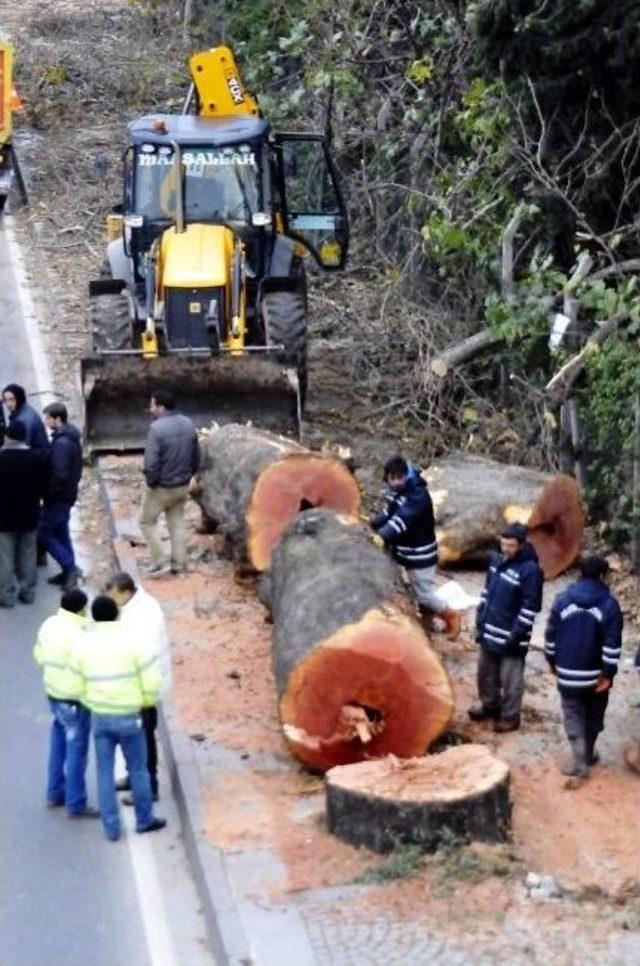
427,619
479,713
576,767
453,622
632,755
154,826
89,812
72,578
592,755
504,725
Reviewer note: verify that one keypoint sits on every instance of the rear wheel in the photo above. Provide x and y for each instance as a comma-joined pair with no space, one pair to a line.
285,323
110,321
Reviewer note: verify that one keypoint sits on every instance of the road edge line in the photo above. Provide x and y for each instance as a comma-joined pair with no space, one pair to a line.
227,936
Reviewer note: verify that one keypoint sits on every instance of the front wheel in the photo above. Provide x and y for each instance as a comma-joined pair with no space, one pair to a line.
285,322
110,322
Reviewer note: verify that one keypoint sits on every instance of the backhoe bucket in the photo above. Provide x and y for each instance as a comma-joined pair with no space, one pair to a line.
117,388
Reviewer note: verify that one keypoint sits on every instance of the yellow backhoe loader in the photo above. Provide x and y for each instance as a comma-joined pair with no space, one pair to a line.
10,173
203,289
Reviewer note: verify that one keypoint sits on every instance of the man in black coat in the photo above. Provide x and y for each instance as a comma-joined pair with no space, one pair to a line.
23,479
65,470
583,642
20,411
408,529
509,603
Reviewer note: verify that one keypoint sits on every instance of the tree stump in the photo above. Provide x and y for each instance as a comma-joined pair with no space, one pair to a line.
474,498
251,484
356,676
463,791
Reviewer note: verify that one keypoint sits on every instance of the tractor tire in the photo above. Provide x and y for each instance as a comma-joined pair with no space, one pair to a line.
285,323
110,322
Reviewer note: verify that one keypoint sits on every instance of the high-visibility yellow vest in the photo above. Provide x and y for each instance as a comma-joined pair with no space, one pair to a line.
118,670
57,639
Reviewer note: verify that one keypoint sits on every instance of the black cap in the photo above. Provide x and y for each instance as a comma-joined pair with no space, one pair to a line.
515,531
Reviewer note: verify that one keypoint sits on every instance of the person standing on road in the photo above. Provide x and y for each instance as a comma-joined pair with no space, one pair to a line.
511,598
119,676
20,411
141,615
407,527
23,479
58,638
65,470
583,641
171,458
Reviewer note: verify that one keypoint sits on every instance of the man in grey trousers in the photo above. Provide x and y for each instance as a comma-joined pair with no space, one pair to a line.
171,458
23,480
511,598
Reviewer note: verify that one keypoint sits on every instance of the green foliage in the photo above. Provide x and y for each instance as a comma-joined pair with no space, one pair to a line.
447,120
606,402
405,861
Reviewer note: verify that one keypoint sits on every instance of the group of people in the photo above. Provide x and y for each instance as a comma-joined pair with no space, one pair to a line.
583,634
104,668
40,471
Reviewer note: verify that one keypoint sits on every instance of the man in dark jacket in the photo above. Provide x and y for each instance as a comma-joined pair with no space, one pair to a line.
407,527
583,642
15,399
65,470
23,478
171,458
511,598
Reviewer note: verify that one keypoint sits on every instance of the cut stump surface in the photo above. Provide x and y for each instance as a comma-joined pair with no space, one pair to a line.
463,791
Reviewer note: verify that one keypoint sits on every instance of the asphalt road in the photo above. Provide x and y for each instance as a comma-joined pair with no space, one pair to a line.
66,895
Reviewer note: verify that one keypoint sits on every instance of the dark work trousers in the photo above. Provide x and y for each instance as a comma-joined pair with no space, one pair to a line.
150,723
54,535
501,684
583,715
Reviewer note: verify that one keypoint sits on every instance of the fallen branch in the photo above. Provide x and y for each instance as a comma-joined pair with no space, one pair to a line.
461,352
561,384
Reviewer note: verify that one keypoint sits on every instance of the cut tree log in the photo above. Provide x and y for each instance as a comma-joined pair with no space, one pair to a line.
251,484
356,676
474,498
382,804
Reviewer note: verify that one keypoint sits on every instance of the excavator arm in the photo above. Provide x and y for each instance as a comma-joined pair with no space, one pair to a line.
219,86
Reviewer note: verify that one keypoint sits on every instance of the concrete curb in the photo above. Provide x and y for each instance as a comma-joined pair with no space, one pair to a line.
229,942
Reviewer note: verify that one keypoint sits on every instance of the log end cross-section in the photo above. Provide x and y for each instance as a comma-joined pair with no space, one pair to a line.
298,481
382,804
371,688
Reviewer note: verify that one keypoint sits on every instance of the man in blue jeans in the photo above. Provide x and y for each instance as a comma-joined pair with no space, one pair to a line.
65,470
57,638
119,674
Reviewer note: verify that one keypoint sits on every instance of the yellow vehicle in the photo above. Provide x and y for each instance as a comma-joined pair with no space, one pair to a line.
9,102
204,287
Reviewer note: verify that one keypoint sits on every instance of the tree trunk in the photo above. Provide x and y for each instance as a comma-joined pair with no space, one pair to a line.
475,498
252,483
382,804
355,674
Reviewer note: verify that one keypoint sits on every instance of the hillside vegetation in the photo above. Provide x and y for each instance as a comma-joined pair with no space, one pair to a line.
490,152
